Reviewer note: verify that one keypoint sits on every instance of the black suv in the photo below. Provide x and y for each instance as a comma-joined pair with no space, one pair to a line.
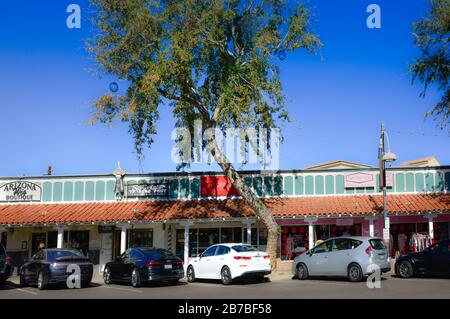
6,268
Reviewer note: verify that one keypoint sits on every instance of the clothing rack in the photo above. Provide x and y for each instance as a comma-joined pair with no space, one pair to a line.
419,241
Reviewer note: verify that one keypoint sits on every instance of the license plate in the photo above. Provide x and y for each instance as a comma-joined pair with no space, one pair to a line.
168,266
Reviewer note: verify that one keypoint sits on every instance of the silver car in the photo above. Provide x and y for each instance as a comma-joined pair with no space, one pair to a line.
351,257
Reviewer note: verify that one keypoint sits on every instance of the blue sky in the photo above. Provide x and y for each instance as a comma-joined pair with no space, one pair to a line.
337,100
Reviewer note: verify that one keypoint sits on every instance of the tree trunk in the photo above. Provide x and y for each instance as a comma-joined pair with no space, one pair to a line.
248,195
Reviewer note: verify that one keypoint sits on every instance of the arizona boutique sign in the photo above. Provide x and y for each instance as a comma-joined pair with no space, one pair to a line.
148,190
20,191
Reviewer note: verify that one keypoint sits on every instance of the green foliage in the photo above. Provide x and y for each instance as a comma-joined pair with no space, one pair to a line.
433,66
213,60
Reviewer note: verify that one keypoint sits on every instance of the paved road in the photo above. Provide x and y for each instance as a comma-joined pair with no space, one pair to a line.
277,287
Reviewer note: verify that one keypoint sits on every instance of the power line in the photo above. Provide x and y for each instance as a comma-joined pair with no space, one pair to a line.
419,133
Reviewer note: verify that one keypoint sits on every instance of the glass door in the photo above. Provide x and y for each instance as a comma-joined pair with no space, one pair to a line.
37,239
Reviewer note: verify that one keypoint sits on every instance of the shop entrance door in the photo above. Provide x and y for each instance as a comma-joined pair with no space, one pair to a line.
116,243
52,240
36,239
107,250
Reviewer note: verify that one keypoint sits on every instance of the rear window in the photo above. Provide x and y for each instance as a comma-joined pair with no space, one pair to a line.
53,255
156,254
377,243
243,248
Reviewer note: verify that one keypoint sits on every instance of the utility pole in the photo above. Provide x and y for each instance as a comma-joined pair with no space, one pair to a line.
385,157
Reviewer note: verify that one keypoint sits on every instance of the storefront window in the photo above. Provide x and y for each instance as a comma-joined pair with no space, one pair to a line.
141,238
412,237
52,239
231,235
207,237
36,240
254,236
202,238
79,239
440,231
294,241
262,237
193,243
3,238
324,232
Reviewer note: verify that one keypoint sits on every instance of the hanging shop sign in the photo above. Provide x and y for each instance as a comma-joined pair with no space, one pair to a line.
217,186
355,180
344,222
20,191
148,190
105,229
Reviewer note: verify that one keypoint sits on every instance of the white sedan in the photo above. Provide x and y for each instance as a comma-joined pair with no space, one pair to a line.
228,262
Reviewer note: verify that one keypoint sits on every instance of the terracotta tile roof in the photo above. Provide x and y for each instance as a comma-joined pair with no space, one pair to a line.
226,208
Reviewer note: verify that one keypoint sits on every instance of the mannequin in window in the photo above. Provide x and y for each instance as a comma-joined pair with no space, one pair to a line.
211,239
289,246
346,232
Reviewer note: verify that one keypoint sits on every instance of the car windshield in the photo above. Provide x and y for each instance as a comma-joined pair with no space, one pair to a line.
433,247
155,254
377,243
243,248
54,255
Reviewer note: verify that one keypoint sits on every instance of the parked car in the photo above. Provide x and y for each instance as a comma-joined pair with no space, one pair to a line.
349,257
433,261
228,262
6,268
51,266
139,265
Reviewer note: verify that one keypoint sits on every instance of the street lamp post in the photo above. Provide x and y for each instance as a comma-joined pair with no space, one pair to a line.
385,157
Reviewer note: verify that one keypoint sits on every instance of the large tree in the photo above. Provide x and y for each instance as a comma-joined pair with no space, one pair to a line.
210,60
431,36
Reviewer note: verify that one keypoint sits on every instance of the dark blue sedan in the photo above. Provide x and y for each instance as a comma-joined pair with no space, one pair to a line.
52,266
139,265
433,261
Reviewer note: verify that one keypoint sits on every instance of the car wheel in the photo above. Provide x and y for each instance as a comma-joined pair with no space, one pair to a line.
354,273
41,284
302,271
107,276
23,283
405,269
135,278
225,275
190,274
